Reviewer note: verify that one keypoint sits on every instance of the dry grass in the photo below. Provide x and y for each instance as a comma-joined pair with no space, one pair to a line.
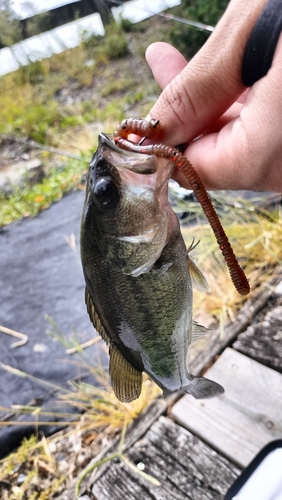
255,234
41,468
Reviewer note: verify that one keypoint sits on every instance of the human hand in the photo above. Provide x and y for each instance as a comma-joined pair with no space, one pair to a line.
240,144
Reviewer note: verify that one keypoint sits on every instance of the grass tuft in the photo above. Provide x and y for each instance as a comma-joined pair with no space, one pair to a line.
255,234
29,200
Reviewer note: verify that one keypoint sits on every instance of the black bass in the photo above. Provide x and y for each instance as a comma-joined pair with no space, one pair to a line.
139,273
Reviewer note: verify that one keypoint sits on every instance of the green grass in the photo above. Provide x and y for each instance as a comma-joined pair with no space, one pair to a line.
29,201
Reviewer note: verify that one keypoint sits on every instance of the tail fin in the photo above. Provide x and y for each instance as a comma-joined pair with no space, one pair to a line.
203,388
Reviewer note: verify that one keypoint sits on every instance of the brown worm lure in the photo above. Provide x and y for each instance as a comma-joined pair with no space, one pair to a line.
147,129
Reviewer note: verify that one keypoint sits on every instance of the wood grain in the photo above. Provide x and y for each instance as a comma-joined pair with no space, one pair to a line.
185,466
134,432
244,419
263,341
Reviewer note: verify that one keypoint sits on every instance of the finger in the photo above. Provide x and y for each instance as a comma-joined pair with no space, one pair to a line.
242,98
211,82
213,153
160,55
232,113
216,160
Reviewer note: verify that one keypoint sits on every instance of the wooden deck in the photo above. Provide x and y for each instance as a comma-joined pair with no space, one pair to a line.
195,449
246,417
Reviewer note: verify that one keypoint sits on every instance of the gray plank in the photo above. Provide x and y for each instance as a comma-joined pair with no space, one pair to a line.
263,341
185,466
241,421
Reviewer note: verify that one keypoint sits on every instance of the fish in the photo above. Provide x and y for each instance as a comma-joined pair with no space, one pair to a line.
139,275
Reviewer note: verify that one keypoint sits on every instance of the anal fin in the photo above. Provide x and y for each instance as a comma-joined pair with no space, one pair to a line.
126,380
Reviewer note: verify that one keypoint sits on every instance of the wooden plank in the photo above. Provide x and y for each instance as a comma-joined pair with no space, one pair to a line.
134,432
263,341
185,466
244,419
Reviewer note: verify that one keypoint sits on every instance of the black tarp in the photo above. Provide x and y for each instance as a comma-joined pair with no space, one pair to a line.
41,274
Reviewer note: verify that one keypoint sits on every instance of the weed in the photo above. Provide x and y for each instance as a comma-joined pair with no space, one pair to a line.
19,458
120,85
255,234
187,39
33,72
108,48
29,201
30,462
71,121
126,25
115,44
33,99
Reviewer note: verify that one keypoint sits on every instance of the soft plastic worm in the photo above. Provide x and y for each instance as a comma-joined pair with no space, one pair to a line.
150,128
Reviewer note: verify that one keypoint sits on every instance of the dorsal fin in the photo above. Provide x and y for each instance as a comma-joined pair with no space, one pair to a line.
94,318
126,380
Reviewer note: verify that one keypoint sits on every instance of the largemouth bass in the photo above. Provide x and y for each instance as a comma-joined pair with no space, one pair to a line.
139,273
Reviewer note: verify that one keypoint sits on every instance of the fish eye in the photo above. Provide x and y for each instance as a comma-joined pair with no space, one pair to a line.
105,192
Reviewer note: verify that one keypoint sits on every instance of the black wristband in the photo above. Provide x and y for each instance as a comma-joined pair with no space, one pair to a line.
262,43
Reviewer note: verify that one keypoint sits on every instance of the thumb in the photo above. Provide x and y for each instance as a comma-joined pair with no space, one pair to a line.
206,87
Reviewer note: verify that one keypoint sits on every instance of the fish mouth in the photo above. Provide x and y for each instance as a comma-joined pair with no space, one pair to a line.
136,162
108,140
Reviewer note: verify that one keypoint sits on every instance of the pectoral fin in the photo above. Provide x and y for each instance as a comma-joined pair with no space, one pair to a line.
94,318
126,380
198,280
198,331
